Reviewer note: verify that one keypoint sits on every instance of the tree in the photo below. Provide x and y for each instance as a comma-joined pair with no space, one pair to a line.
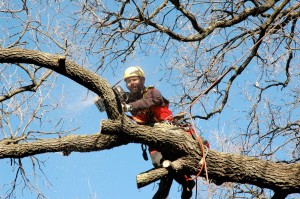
221,53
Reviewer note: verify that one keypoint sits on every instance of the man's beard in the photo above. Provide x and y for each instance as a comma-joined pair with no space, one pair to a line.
138,94
137,90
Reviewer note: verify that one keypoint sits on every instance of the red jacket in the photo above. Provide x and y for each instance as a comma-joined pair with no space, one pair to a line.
149,107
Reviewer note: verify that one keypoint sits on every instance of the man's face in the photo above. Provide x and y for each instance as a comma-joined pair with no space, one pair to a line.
135,84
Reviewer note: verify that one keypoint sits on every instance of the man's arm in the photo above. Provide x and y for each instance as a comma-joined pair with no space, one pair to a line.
152,98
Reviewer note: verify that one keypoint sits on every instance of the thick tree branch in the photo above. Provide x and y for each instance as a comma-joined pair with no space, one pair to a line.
221,166
75,143
67,68
153,175
150,176
166,138
243,169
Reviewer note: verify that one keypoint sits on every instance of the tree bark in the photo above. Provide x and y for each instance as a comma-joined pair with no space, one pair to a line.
71,143
222,167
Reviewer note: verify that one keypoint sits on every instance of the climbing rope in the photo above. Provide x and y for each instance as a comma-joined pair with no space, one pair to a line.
203,148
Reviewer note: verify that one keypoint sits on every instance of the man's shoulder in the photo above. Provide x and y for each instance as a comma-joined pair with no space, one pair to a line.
151,88
151,91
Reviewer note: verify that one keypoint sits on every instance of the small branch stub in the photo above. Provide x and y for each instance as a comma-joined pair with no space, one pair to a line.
166,163
62,60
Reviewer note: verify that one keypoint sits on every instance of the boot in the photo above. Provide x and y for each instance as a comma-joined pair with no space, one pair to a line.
187,189
186,193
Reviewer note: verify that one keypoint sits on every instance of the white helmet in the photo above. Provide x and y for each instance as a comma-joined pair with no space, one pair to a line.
134,71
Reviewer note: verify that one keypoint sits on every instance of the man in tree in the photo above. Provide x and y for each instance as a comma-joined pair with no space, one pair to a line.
148,106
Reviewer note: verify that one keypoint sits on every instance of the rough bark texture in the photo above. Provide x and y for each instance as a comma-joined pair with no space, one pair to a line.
221,166
250,170
77,143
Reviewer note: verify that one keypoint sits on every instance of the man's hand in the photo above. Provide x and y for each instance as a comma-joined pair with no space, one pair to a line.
126,107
